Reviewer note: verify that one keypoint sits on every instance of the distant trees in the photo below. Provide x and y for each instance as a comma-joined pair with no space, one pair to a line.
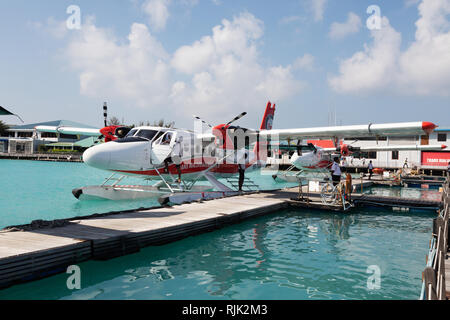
114,121
3,129
160,123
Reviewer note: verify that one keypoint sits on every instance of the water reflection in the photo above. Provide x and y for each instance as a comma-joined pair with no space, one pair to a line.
413,193
290,255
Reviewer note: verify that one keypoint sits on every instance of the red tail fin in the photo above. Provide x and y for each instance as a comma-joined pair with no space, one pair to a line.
268,117
267,122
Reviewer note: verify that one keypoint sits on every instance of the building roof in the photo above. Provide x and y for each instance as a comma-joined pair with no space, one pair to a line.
444,129
56,123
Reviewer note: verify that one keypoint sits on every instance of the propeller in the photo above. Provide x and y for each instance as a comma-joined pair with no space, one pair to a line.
243,114
105,113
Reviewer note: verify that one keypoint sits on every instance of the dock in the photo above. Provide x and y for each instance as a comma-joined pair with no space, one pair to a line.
39,250
47,157
436,276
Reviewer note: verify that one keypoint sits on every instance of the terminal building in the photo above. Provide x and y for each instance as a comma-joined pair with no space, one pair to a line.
24,139
425,160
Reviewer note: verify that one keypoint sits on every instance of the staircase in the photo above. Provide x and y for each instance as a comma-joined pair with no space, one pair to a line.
249,184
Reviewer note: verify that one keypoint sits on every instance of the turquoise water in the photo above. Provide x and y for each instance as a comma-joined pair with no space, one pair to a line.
287,255
34,190
413,193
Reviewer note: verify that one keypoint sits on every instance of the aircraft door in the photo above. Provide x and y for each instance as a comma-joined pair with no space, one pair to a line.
162,147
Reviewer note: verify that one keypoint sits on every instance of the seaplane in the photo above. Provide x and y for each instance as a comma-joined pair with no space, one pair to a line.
153,154
317,161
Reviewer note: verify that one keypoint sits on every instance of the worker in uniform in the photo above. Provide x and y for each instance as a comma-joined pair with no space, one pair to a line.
370,170
349,187
336,172
176,157
242,166
448,173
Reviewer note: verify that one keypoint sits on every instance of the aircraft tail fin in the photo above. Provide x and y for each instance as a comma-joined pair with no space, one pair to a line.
267,123
269,114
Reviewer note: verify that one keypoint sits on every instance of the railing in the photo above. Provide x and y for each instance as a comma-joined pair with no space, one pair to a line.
433,286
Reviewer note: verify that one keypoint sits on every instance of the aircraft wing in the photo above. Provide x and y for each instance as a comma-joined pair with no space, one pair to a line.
371,130
436,147
70,130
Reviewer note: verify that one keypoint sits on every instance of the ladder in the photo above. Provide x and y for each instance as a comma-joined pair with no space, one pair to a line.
249,184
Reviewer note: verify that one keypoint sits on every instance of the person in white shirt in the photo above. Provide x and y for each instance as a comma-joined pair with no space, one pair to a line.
336,172
176,157
370,170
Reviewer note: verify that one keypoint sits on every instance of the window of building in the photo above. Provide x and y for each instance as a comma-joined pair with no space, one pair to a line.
25,134
68,136
442,137
395,155
48,135
368,155
372,155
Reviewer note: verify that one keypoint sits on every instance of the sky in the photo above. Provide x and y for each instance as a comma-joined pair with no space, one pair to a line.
323,62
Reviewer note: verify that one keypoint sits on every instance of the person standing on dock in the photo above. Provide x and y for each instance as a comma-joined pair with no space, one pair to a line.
242,166
406,166
448,172
176,158
370,170
336,172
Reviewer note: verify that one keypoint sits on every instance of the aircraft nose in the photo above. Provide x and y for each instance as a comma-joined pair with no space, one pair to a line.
97,158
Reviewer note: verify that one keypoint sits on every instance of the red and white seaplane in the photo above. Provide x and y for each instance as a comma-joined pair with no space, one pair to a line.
207,156
314,159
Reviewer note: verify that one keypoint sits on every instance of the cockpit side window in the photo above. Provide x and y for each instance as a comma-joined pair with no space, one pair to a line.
131,133
166,139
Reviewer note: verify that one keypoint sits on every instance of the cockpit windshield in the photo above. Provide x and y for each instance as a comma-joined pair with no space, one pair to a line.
147,134
139,135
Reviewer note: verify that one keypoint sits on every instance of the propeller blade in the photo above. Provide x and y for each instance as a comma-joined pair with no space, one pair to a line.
198,118
105,113
243,114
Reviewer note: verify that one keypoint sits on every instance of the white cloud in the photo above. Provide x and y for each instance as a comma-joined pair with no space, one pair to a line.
422,69
137,70
425,66
318,8
306,62
158,13
371,68
226,72
290,19
216,75
341,30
